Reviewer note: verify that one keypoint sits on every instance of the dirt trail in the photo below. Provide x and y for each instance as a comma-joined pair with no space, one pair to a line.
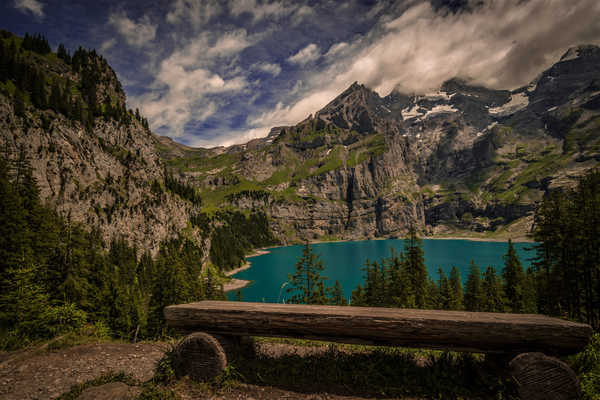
47,374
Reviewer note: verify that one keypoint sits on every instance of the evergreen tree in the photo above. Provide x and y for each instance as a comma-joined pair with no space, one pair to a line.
305,283
530,293
336,295
38,94
415,269
493,297
444,291
455,289
358,297
513,277
473,289
55,99
63,54
19,103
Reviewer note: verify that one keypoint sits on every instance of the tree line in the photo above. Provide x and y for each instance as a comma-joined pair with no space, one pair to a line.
402,280
233,234
56,276
567,264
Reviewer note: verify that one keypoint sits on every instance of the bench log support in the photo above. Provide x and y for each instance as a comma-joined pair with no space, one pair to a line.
540,377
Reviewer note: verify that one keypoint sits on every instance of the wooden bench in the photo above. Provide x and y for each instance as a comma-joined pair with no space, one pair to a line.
529,341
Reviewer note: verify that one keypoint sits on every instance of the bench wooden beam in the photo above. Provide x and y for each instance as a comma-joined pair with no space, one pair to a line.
448,330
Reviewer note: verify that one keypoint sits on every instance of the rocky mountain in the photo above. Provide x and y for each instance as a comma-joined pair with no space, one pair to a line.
93,160
465,158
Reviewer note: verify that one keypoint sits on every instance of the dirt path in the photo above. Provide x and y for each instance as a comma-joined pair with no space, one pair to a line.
44,374
48,374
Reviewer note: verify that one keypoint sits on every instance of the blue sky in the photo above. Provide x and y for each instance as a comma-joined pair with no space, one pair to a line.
209,73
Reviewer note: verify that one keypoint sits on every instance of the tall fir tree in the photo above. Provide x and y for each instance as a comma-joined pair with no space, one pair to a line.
493,296
473,289
414,266
456,290
336,295
305,284
513,277
444,291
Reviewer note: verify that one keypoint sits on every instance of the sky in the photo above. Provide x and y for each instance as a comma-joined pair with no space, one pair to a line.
219,72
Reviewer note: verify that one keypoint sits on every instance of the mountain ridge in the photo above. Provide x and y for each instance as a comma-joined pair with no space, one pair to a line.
462,159
424,146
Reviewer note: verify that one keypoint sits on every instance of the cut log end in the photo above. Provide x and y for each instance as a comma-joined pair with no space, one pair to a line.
199,356
545,378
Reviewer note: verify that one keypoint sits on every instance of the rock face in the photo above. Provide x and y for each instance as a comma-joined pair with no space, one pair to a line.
463,158
100,173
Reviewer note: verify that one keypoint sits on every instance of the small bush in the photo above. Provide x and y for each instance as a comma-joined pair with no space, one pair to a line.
587,366
64,318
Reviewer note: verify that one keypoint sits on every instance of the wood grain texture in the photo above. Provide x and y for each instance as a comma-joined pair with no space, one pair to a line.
199,356
544,378
453,330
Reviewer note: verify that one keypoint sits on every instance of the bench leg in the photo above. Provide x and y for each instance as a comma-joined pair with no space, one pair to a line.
545,378
199,356
236,346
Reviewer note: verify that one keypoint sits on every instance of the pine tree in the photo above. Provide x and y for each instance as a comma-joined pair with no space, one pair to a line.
55,97
38,94
513,277
415,269
456,290
63,54
493,297
23,302
336,295
305,282
473,289
444,291
529,293
19,101
358,297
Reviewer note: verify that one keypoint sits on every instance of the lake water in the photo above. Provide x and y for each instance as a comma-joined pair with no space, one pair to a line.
343,261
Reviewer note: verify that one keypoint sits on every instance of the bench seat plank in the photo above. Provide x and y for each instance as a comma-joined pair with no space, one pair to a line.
451,330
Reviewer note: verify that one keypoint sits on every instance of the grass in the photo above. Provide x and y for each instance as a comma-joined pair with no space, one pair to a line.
76,390
373,371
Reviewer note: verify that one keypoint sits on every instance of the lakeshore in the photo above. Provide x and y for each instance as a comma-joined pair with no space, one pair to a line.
237,284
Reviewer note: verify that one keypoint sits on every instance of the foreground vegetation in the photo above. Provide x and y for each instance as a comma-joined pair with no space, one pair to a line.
55,276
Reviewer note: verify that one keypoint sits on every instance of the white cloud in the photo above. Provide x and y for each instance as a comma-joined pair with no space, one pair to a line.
269,68
306,55
230,43
336,49
228,138
498,45
274,10
199,12
136,34
35,7
185,85
107,45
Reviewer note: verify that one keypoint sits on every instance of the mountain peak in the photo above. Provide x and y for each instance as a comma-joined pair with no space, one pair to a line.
580,51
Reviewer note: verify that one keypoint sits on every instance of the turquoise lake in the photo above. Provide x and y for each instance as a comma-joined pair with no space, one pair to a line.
343,261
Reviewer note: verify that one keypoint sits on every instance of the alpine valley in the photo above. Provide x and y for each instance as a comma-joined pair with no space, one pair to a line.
464,160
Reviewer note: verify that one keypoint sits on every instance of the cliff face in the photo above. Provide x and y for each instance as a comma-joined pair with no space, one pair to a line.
463,158
95,161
